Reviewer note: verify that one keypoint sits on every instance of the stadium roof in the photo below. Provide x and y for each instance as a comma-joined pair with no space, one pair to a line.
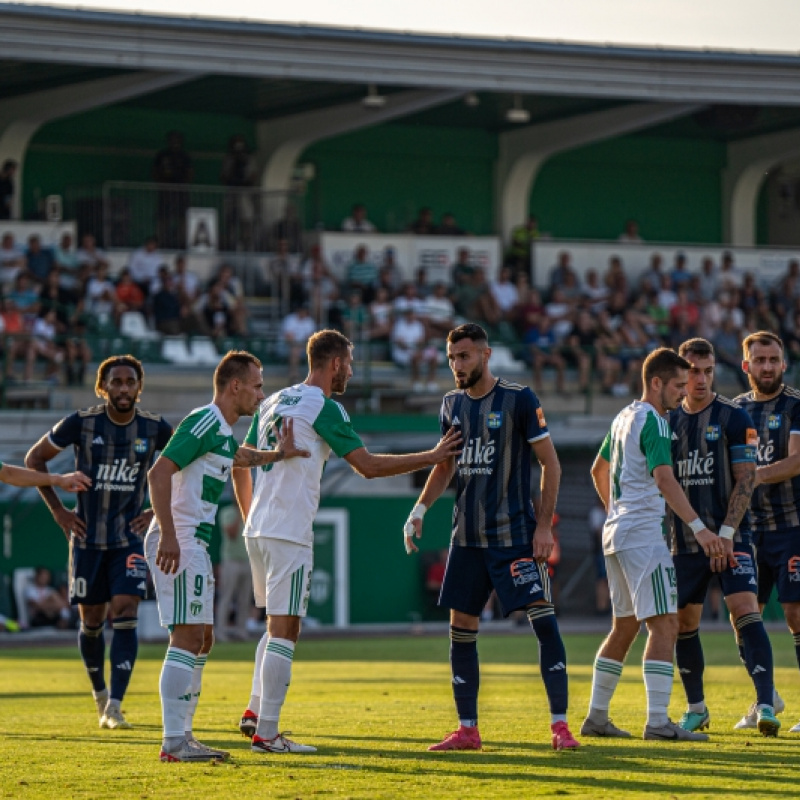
77,38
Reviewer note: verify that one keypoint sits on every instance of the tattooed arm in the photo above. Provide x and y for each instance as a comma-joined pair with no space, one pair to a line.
744,477
248,457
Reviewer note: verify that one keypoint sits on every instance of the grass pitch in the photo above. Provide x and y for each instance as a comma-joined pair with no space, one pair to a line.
372,706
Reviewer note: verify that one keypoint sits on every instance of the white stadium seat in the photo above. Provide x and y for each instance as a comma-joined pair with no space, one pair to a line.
133,325
175,350
204,352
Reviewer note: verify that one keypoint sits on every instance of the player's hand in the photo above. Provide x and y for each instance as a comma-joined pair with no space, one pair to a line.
712,546
168,555
729,557
543,543
72,482
70,523
449,446
286,441
413,528
140,524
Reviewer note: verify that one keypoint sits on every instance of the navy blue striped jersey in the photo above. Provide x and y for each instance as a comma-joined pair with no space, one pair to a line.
116,458
774,505
705,446
493,474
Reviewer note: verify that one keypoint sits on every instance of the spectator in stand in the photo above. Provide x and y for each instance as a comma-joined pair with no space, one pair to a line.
631,233
421,283
101,299
89,254
462,270
362,274
529,312
215,310
505,293
7,173
357,222
239,173
485,310
25,296
380,322
666,294
728,350
560,271
423,224
522,239
572,289
290,228
130,296
315,264
172,166
559,312
322,293
438,312
390,275
39,259
296,330
652,279
749,296
12,261
594,293
685,315
53,296
168,311
448,226
44,338
409,349
708,281
409,297
579,347
355,317
46,606
763,318
544,351
282,268
729,277
680,275
635,343
187,284
234,289
659,315
615,278
144,264
67,262
17,342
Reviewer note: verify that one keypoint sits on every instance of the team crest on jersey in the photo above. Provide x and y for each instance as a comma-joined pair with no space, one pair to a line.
494,419
712,433
140,446
773,421
195,607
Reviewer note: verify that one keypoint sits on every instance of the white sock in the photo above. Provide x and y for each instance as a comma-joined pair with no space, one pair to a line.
176,678
605,678
194,691
276,673
697,708
658,677
255,692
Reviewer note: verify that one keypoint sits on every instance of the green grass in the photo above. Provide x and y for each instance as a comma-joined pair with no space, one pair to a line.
372,706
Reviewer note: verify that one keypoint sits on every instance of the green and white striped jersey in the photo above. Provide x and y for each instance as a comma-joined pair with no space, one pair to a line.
639,441
203,448
286,494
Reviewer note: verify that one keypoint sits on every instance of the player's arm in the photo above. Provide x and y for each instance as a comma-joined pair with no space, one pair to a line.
23,477
249,457
159,479
36,459
601,475
786,468
547,457
243,490
371,465
141,522
437,482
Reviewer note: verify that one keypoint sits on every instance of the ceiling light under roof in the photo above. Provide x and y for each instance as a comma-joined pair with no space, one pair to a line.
372,99
517,114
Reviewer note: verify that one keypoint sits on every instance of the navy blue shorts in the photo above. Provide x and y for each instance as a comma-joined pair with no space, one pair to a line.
472,573
778,560
95,576
693,574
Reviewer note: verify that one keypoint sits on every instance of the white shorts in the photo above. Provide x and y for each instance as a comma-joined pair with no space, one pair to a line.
281,575
186,598
642,582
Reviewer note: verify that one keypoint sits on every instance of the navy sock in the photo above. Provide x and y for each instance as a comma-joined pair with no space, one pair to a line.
796,637
124,647
466,675
92,646
691,664
552,656
758,655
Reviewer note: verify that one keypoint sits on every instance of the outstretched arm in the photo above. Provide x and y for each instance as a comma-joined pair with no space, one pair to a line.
782,470
247,456
21,476
437,482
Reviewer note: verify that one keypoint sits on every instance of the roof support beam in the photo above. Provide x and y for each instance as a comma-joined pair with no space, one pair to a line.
523,152
21,117
749,161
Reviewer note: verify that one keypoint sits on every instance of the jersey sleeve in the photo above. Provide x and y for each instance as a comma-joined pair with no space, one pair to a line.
252,432
445,415
334,426
164,434
655,442
535,425
67,432
605,448
742,438
194,437
794,426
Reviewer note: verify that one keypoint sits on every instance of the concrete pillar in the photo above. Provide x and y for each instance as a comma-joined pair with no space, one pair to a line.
524,151
21,117
748,163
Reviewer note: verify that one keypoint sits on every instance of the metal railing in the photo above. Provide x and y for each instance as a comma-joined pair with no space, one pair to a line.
122,214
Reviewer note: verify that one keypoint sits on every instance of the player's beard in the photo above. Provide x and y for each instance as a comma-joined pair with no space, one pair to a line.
471,379
766,386
666,404
339,382
114,403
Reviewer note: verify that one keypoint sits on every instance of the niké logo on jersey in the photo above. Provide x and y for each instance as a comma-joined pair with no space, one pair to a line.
477,453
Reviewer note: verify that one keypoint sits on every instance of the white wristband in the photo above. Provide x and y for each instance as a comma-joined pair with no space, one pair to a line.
418,512
726,532
696,525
